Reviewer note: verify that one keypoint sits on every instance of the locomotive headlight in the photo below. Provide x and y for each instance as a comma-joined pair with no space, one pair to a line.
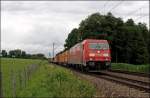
98,51
105,54
91,54
91,59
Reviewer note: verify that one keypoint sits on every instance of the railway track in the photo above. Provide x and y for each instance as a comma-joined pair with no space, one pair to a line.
137,82
133,80
132,73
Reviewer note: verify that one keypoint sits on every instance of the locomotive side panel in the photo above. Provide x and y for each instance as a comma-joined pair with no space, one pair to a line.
60,58
66,56
75,54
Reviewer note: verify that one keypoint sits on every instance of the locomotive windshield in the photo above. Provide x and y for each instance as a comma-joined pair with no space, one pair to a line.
98,46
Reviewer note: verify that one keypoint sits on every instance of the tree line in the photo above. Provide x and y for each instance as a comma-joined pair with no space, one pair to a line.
17,53
129,42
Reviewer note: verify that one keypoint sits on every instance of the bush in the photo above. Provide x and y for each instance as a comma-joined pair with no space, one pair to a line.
131,67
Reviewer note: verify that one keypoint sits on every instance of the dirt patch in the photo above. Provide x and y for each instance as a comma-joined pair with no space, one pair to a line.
107,89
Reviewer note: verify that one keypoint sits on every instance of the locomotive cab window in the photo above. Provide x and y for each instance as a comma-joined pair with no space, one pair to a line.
82,47
98,46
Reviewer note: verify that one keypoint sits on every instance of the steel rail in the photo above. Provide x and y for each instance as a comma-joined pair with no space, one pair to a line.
138,84
131,73
147,83
125,82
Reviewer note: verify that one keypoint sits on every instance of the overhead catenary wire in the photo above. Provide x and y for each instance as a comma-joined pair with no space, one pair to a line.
141,17
139,14
116,6
105,6
130,13
135,11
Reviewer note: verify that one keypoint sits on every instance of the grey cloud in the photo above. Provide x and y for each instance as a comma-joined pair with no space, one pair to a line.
34,26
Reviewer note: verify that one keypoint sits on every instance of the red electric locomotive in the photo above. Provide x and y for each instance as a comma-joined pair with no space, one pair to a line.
90,54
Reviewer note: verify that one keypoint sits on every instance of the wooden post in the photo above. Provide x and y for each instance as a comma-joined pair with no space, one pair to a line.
20,79
24,77
13,79
28,72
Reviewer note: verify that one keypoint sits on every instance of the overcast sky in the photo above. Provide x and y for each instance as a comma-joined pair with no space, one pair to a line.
34,26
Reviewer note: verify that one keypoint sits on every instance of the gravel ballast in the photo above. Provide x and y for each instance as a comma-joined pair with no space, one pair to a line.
105,88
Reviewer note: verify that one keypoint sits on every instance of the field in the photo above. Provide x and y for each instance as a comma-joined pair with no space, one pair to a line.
22,79
131,67
11,70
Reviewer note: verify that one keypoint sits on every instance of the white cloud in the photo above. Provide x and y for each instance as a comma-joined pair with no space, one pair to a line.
34,26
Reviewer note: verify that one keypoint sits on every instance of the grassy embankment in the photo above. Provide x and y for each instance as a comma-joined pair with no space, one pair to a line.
47,81
131,67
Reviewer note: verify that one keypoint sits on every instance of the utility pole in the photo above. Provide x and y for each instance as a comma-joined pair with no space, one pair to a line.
53,50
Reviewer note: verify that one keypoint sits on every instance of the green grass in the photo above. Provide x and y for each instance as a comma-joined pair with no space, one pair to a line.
17,66
47,81
131,67
53,81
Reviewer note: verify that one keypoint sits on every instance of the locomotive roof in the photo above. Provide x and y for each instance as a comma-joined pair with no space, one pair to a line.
94,40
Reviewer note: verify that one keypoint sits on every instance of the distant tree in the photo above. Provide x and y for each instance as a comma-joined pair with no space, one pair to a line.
11,53
17,53
0,53
149,45
23,54
28,56
4,53
40,55
36,56
72,38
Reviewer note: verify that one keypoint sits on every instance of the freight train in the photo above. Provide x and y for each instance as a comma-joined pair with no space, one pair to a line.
90,54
